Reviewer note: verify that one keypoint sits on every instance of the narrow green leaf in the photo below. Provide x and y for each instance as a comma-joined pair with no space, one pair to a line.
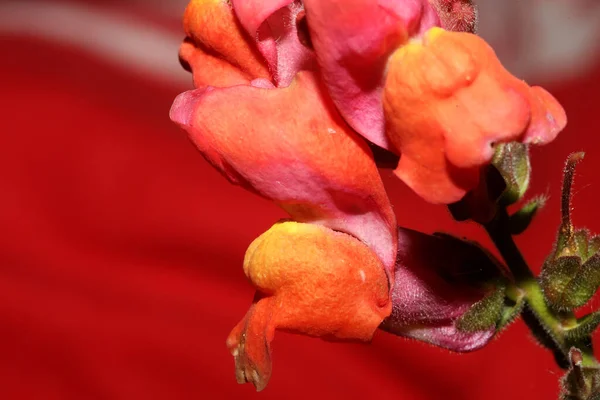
521,219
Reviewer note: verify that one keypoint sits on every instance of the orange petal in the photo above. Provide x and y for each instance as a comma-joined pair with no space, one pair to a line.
208,68
290,145
310,280
447,100
214,30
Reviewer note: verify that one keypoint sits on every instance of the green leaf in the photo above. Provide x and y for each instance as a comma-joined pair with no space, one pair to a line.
521,220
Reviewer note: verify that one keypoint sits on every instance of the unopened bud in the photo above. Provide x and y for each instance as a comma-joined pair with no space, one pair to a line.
581,382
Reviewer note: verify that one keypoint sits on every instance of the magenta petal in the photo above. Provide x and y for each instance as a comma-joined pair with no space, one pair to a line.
352,40
273,24
437,280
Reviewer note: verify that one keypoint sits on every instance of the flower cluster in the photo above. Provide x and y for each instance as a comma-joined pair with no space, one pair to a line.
291,99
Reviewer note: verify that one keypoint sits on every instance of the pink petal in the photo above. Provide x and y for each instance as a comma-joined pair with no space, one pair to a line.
273,24
548,117
290,145
352,41
438,279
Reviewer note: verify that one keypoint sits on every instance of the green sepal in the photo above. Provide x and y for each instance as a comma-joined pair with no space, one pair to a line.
593,246
521,219
512,161
484,314
568,282
514,301
581,243
556,276
584,327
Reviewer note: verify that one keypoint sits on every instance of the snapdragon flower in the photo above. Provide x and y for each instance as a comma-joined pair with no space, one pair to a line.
290,98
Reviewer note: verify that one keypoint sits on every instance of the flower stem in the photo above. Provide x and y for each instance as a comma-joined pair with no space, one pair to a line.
538,314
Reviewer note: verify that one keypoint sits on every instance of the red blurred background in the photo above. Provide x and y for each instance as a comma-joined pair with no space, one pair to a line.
121,249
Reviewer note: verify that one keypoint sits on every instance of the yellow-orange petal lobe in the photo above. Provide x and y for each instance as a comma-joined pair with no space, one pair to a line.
211,25
310,280
447,101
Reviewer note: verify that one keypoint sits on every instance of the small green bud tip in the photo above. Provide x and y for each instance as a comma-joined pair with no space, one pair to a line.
581,382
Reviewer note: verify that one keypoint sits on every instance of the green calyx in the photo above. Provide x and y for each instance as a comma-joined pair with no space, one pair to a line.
512,161
571,275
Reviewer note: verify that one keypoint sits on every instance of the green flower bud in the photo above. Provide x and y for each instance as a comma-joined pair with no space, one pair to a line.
571,275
